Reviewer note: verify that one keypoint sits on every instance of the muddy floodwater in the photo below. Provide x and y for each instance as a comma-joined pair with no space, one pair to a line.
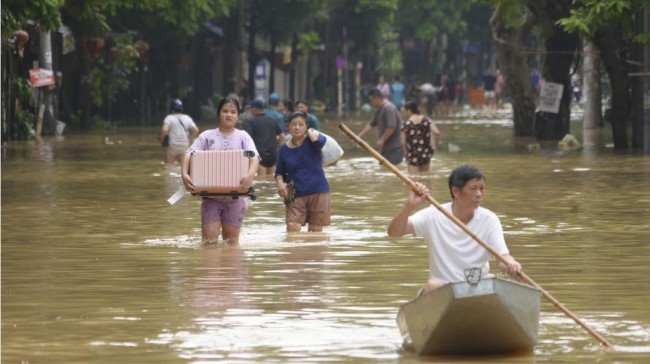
97,267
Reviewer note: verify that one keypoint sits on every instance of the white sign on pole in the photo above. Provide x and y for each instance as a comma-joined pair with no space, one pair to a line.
550,96
262,79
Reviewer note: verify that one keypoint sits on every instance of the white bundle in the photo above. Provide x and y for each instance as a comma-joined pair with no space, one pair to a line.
332,151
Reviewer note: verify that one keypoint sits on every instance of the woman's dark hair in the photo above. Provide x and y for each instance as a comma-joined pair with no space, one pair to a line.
296,114
302,102
463,174
288,105
227,100
412,107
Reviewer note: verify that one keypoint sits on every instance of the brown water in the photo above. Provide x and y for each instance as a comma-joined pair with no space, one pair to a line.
98,268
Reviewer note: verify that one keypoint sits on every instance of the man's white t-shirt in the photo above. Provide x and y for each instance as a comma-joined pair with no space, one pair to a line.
178,133
451,250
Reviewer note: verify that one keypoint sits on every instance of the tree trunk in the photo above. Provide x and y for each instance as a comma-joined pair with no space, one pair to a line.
610,43
142,91
557,65
636,84
561,47
9,100
509,42
85,90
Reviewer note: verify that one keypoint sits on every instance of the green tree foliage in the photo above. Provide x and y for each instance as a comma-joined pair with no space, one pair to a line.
110,75
477,19
364,20
390,60
24,129
588,16
612,25
167,23
89,18
287,17
370,31
425,19
15,13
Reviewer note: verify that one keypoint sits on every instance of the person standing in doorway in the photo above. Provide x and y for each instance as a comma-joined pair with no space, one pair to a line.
179,130
387,121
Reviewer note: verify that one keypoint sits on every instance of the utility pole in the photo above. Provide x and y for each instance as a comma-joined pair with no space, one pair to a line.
45,115
591,92
357,86
346,72
592,120
646,66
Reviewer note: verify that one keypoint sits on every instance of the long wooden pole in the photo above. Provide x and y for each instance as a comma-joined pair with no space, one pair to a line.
460,224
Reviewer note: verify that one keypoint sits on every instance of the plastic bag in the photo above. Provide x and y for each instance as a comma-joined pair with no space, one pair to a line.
332,151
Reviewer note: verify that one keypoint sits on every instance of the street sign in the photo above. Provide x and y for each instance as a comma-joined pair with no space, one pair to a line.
41,77
262,79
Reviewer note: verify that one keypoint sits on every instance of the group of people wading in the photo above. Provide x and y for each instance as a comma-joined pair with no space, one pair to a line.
301,183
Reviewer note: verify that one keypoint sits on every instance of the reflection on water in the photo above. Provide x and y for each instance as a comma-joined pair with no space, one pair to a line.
98,267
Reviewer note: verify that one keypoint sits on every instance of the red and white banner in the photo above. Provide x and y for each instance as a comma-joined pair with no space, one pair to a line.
41,77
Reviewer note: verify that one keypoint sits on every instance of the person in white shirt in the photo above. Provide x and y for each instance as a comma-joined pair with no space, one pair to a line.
452,252
181,130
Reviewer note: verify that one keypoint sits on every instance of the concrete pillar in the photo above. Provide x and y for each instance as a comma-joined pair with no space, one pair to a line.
593,114
45,122
646,111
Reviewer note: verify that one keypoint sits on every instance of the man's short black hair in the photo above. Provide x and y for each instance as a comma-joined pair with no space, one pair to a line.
463,174
375,93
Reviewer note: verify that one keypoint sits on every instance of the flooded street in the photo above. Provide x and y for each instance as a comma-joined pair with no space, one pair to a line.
97,267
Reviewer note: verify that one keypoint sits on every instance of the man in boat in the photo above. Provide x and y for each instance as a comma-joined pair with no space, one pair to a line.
452,252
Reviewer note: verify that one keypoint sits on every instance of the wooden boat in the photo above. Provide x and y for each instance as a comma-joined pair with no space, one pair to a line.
492,316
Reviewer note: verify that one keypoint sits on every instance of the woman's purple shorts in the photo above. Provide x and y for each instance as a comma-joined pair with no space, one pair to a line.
228,212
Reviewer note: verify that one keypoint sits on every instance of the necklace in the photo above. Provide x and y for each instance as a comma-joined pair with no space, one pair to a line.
293,142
